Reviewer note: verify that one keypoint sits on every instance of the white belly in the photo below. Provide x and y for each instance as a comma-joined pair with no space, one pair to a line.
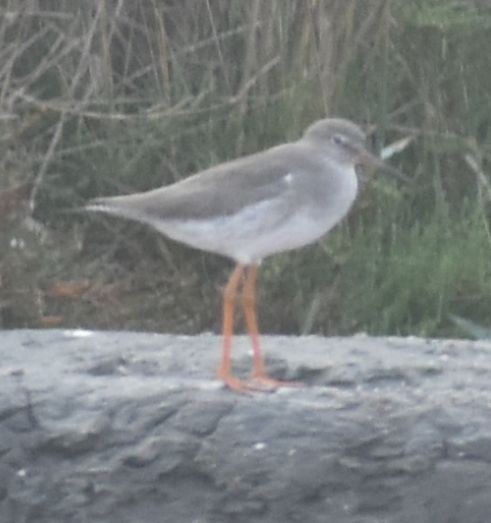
259,230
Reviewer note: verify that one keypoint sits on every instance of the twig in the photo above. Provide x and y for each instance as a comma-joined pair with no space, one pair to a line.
253,80
75,109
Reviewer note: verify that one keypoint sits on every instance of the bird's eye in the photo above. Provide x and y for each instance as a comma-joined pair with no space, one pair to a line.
339,139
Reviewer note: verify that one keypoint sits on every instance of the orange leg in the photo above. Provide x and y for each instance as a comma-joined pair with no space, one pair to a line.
229,296
249,305
260,378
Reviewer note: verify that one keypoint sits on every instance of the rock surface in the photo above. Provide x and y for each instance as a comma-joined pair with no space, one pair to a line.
130,428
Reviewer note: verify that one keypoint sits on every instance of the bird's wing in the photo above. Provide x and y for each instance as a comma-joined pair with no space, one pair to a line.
223,190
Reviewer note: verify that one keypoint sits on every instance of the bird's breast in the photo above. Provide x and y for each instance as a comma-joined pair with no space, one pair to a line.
333,195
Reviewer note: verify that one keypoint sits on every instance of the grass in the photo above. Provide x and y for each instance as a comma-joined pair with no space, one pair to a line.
138,94
415,277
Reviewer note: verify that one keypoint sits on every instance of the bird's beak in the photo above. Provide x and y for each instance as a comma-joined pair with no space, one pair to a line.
368,159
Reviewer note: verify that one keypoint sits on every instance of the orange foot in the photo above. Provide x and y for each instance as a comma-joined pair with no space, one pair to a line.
263,382
256,383
235,384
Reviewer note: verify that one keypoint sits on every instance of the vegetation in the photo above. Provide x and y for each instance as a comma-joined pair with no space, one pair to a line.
108,97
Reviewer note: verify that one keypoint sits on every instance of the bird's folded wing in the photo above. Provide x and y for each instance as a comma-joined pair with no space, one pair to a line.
221,191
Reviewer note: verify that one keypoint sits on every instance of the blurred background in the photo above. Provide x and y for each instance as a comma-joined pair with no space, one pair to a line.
107,97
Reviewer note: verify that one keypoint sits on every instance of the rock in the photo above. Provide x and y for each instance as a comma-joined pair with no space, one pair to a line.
133,428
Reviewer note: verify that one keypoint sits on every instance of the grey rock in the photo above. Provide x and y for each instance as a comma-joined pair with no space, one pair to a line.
133,428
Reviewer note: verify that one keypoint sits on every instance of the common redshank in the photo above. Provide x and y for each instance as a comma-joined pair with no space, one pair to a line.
249,208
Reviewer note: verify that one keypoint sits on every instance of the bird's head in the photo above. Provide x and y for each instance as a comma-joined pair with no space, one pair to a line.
345,142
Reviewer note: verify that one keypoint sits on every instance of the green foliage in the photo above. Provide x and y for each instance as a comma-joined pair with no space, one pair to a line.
446,15
416,276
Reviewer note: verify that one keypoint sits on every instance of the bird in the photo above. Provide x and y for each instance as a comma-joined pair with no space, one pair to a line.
252,207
